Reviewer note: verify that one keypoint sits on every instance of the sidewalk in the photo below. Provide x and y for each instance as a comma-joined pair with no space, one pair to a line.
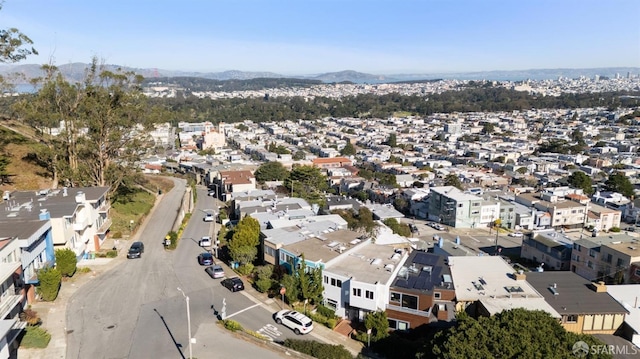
54,314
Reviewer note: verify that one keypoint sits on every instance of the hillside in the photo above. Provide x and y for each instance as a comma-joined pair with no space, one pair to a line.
26,175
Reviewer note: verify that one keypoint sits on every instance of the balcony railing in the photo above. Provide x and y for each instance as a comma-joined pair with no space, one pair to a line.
421,313
8,302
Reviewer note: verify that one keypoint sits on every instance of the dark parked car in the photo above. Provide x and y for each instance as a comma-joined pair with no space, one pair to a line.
233,284
205,259
136,250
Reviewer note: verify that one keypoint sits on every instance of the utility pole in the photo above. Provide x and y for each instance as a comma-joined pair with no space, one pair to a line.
186,298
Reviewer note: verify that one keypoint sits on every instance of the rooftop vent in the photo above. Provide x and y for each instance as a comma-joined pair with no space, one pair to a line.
553,290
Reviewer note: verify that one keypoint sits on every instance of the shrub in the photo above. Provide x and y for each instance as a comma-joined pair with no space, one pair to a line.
84,270
31,317
112,253
318,350
35,337
231,325
256,335
327,312
173,237
50,279
116,234
245,269
614,229
263,284
66,261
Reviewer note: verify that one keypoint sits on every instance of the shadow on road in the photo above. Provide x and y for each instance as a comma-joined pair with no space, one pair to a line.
178,345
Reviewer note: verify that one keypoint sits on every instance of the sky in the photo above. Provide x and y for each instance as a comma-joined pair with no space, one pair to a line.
302,37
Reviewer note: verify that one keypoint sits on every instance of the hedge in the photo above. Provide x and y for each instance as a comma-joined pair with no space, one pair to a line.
317,349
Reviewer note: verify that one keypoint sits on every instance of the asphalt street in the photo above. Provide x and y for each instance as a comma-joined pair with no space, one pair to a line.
136,310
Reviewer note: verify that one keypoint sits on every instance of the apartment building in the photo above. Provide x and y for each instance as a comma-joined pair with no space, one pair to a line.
603,218
79,216
549,247
452,207
564,213
12,296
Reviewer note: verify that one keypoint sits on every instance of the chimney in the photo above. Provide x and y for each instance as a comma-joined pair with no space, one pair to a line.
80,197
599,287
520,275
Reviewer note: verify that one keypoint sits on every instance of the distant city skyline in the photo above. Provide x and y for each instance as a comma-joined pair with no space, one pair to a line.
307,37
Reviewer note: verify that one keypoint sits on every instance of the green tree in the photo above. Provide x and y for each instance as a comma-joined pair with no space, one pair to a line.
299,155
397,227
516,333
453,180
619,182
522,170
392,140
271,171
488,128
348,149
581,180
243,246
66,261
50,279
379,325
4,173
292,286
14,45
307,182
310,282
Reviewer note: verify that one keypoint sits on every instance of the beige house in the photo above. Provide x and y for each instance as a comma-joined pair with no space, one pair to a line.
604,218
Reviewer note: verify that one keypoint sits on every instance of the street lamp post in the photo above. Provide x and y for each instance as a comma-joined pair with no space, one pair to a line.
186,298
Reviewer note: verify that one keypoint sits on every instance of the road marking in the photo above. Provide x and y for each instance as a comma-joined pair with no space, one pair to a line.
270,331
475,239
243,310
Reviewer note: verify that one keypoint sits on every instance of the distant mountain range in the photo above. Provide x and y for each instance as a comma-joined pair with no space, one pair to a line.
75,72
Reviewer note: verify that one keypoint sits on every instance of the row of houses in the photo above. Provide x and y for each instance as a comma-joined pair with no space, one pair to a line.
362,274
33,224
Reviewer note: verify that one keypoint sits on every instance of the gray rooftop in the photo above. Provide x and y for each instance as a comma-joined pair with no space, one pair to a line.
27,205
330,246
422,272
368,263
575,294
25,230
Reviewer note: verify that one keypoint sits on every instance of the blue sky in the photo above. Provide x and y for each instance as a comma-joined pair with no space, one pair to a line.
314,36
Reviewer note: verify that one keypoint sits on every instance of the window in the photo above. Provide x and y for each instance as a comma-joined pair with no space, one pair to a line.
330,303
592,253
333,282
608,258
590,264
357,292
397,324
395,297
638,272
437,295
339,283
326,280
619,262
409,301
571,318
368,294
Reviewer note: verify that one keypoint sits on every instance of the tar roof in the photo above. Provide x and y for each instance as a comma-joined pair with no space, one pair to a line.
574,293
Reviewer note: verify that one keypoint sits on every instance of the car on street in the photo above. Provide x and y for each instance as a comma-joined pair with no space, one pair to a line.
205,241
215,271
233,284
515,234
298,322
205,259
136,250
413,228
208,217
211,193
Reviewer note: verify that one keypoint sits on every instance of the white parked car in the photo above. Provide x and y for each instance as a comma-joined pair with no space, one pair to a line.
515,234
298,322
208,217
205,241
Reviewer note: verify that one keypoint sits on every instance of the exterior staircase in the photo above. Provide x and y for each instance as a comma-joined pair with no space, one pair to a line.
344,328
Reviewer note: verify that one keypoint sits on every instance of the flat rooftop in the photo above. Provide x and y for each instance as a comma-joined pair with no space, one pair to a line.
324,249
368,263
479,277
